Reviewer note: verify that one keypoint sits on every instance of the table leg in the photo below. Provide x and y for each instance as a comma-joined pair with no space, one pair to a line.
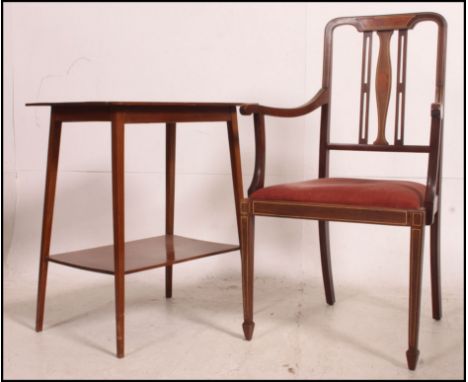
118,135
170,190
236,169
244,226
49,197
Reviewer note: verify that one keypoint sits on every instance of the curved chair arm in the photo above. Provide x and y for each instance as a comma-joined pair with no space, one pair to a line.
259,112
321,98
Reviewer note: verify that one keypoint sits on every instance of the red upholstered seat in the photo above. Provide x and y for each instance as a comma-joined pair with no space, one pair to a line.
355,192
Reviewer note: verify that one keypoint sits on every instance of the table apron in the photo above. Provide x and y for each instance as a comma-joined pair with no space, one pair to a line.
141,116
149,117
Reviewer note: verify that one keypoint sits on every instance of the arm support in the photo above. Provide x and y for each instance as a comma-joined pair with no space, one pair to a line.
258,180
434,167
321,98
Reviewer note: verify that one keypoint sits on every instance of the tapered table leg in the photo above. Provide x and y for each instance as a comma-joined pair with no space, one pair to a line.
245,226
170,192
49,198
236,168
117,134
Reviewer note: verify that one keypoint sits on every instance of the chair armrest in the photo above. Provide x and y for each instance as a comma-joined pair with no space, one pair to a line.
321,98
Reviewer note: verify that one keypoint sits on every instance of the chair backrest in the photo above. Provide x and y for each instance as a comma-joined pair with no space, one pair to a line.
385,26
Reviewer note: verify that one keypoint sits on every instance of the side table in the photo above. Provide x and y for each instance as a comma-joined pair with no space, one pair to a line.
123,257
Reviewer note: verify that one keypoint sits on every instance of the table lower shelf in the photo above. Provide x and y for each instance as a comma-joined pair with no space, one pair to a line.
143,254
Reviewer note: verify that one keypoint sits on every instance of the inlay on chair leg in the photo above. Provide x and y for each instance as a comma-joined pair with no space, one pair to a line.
435,269
326,262
51,181
416,257
247,257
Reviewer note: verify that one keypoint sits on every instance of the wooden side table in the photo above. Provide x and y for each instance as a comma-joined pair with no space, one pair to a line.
123,257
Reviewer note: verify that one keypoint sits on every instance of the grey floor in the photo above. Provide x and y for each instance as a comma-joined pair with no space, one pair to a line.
197,334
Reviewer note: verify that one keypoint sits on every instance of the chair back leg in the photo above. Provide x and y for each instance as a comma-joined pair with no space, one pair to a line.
326,262
435,269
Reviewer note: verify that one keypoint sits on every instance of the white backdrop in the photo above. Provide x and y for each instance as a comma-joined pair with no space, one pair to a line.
268,53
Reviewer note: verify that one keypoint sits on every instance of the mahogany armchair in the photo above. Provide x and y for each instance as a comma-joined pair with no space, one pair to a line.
390,202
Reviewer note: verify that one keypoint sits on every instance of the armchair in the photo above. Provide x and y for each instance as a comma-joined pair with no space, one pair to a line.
390,202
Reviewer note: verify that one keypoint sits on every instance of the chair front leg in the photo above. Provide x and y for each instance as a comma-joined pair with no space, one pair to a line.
416,260
247,258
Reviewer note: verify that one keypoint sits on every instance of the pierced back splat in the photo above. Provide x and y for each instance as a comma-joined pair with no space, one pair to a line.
401,87
365,87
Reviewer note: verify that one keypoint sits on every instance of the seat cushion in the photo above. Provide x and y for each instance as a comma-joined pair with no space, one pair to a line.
354,192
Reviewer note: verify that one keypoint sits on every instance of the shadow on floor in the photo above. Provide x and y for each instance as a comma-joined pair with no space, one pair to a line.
280,301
